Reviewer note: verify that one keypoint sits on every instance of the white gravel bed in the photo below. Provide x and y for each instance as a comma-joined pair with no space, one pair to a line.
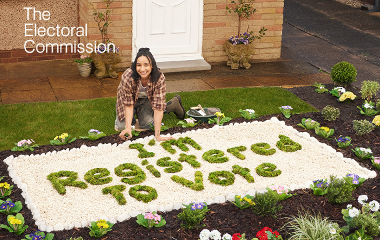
78,207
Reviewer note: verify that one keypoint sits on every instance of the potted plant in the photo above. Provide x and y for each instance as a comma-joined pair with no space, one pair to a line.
84,65
239,48
106,57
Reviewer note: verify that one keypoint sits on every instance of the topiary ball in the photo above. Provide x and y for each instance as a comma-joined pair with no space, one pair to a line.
343,73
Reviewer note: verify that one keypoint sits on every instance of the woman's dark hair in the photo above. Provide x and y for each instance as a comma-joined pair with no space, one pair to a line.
155,74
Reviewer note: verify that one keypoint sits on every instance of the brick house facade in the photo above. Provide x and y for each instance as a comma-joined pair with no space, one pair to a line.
218,25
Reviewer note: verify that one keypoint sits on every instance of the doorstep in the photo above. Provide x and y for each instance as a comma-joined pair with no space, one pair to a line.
184,66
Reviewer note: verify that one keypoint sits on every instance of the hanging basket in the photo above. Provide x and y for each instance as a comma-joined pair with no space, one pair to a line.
84,69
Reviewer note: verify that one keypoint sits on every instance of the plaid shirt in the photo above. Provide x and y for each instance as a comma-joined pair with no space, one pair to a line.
128,92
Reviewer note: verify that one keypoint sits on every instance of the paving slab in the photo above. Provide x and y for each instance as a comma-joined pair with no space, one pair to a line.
111,90
72,94
23,84
323,78
280,81
73,81
40,95
231,82
188,85
38,68
257,68
110,81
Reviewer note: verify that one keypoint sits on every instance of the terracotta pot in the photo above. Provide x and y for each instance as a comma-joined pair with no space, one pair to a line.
106,64
238,55
84,69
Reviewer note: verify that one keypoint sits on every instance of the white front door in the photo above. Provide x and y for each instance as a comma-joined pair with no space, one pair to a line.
172,29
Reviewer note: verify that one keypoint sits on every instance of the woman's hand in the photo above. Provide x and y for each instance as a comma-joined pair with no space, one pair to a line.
126,131
159,138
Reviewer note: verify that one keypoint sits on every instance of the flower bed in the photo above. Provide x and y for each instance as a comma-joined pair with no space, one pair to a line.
80,206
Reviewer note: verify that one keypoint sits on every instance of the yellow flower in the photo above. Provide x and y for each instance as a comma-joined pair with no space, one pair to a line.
238,196
376,120
2,185
325,128
241,199
6,185
347,95
56,137
13,220
252,203
102,223
219,114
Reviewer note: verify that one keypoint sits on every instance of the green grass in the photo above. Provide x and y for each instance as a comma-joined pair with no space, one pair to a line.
43,121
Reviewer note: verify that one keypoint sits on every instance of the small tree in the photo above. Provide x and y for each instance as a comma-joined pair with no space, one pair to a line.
103,19
244,9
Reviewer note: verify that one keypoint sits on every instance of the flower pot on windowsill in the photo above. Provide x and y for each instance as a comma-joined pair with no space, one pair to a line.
238,55
84,69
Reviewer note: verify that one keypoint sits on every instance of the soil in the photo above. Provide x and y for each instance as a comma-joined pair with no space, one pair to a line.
226,217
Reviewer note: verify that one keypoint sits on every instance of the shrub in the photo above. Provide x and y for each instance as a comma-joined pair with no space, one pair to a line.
307,226
378,105
330,113
343,73
266,203
340,190
369,89
362,127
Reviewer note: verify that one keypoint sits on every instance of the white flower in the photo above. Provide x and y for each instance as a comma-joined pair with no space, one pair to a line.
360,238
349,206
340,89
332,231
215,235
321,87
204,235
374,205
367,105
368,150
227,237
362,199
250,111
353,212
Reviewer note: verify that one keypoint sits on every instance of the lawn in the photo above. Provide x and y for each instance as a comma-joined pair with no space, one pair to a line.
43,121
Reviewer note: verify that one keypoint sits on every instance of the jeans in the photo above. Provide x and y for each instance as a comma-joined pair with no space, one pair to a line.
145,115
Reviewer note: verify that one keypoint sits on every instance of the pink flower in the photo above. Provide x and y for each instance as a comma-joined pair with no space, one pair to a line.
376,160
190,120
83,56
157,217
149,216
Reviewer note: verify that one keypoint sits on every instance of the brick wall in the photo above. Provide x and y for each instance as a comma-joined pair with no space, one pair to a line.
219,25
120,30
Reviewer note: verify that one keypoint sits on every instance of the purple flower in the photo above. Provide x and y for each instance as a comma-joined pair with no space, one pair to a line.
287,107
94,131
